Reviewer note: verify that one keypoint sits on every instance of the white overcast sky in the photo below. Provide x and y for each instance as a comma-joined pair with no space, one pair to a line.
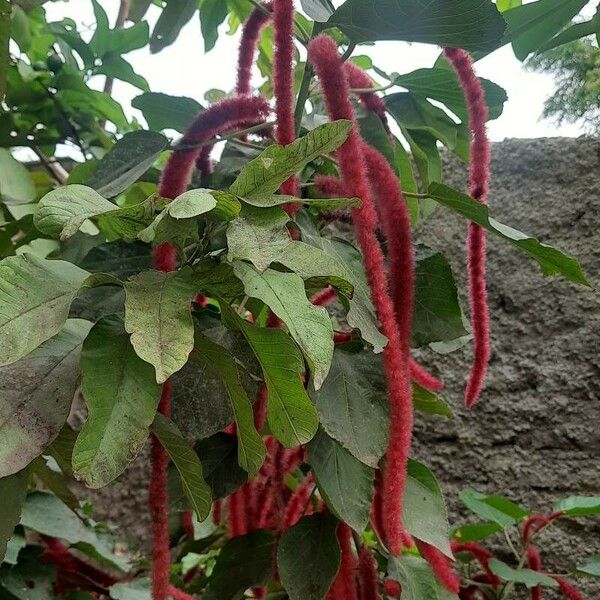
184,69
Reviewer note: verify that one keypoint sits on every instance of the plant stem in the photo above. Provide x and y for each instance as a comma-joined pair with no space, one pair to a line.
119,23
348,52
224,138
55,169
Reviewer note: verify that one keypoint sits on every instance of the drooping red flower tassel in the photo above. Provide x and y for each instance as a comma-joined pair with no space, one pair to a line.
440,566
283,85
324,56
253,27
217,511
569,591
476,239
344,585
236,512
324,297
535,523
298,503
534,562
482,556
392,588
368,575
357,78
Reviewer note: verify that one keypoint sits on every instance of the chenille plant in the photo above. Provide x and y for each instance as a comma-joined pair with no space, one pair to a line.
209,305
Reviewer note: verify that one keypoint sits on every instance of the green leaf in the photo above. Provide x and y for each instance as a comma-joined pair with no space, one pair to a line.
215,358
187,463
126,162
138,9
35,298
308,557
30,579
442,85
46,514
591,567
579,506
527,577
415,578
291,415
121,396
117,67
572,33
375,134
493,508
173,17
137,589
318,203
264,175
245,561
14,546
192,203
212,14
93,102
437,315
16,184
531,25
13,490
62,212
551,260
61,449
120,259
162,111
504,5
361,313
37,393
5,13
425,515
158,317
318,10
54,482
345,483
475,533
428,403
468,24
20,30
423,147
353,406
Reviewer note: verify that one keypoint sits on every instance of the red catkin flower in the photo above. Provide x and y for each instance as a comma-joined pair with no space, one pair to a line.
392,588
253,27
344,585
440,566
341,337
535,523
187,523
482,556
368,575
217,511
260,408
283,85
357,78
298,502
476,240
236,513
534,562
324,56
568,590
377,506
324,297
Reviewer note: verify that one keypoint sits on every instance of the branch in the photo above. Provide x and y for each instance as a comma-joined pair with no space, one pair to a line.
119,23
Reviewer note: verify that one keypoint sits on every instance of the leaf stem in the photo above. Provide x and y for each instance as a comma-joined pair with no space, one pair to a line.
225,138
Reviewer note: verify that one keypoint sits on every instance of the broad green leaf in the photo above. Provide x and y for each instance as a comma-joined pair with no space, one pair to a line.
126,162
219,457
216,359
468,24
14,546
361,313
579,506
353,405
423,146
531,25
62,212
345,483
5,12
192,203
29,579
551,260
212,14
425,515
437,316
162,111
375,134
475,533
121,395
428,403
493,508
13,490
318,10
187,463
244,562
442,85
35,297
61,449
46,514
158,317
308,557
574,32
591,567
309,325
173,17
117,67
37,393
415,578
264,175
137,589
120,259
504,5
137,10
291,415
318,203
55,482
93,102
16,184
527,577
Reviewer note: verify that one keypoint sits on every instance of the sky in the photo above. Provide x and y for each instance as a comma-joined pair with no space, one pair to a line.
185,69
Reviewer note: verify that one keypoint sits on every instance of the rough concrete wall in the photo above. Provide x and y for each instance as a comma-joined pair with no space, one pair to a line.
535,436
